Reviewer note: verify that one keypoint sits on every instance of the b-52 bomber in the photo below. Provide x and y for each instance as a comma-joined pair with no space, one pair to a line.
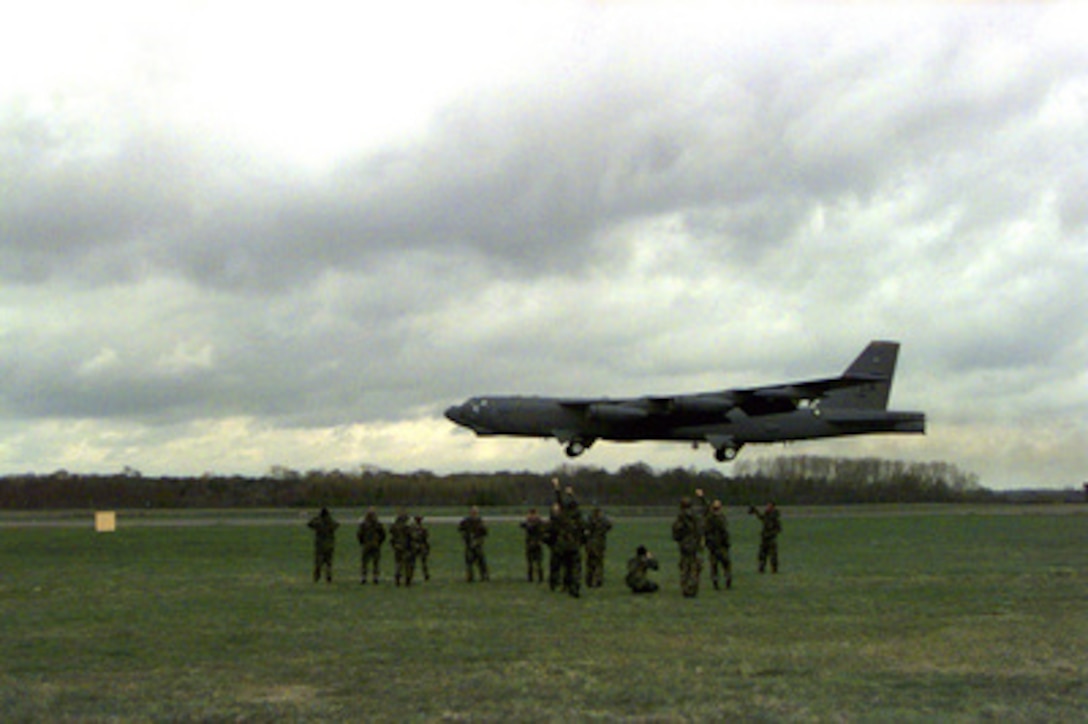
855,403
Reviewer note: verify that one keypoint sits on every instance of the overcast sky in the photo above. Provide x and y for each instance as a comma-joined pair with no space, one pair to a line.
241,235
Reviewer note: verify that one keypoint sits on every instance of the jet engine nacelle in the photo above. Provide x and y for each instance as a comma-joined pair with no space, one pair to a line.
608,412
700,405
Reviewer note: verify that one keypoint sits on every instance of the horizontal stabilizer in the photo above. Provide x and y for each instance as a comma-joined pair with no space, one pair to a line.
899,421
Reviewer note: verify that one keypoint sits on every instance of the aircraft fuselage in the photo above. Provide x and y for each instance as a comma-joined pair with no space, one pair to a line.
855,403
543,416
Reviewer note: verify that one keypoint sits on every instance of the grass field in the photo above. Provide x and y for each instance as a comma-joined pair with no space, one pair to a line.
880,614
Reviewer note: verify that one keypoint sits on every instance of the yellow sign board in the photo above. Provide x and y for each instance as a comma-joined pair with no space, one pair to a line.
105,521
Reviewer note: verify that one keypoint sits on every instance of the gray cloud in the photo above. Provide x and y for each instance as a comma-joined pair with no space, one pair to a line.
683,213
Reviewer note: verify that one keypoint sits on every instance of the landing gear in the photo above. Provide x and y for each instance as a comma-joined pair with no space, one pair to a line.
726,453
577,447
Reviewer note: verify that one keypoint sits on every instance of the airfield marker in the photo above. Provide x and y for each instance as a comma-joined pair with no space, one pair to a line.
105,521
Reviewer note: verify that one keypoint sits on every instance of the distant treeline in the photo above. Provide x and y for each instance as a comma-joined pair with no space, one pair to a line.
801,480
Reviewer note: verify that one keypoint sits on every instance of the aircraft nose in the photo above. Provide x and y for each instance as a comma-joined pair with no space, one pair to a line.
454,413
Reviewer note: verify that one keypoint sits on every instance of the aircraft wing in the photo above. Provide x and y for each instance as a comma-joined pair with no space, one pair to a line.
761,400
809,389
769,399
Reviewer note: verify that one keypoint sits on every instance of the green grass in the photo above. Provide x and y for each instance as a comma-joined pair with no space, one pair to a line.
914,617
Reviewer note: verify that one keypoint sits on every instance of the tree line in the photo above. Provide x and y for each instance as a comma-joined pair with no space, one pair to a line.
797,480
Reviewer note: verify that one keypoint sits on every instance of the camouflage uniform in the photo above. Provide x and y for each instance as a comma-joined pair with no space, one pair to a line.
596,534
768,541
569,538
371,535
637,572
686,532
473,531
534,529
403,555
324,528
421,546
551,533
716,534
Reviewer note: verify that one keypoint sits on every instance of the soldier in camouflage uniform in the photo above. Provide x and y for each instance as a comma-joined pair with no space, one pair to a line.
596,534
551,533
473,531
324,528
638,568
687,532
421,546
569,538
403,555
371,536
768,541
534,528
716,535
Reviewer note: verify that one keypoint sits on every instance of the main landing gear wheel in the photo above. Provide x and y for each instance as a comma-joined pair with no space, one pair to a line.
575,448
725,454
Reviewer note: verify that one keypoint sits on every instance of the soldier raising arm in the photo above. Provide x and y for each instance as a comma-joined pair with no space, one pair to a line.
768,541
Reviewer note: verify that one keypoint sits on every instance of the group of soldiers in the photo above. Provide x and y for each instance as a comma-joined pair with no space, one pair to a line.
693,531
409,538
565,533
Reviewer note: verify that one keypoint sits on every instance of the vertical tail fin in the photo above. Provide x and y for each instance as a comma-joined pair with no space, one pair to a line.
876,365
